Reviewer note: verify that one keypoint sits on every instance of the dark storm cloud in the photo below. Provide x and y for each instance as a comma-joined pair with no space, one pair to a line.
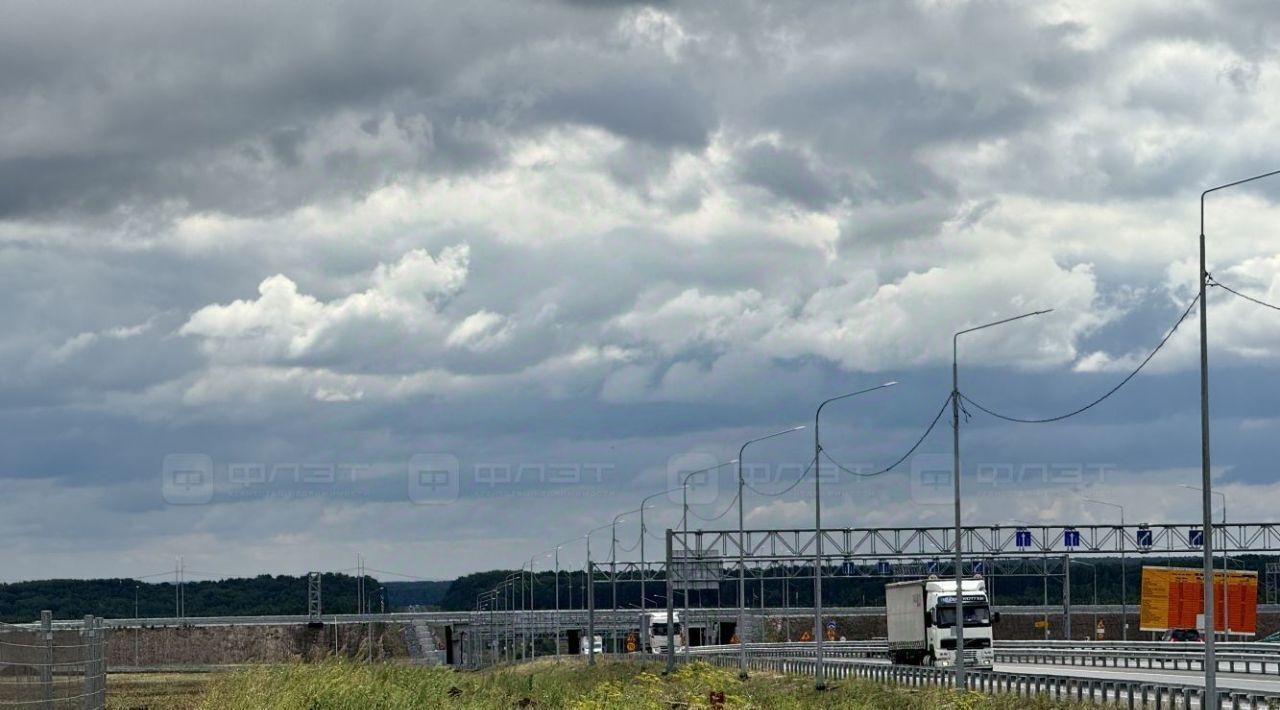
648,104
152,101
683,222
788,174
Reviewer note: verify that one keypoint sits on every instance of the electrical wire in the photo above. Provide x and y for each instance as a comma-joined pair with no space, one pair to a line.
1214,282
784,491
929,430
723,513
633,546
1109,392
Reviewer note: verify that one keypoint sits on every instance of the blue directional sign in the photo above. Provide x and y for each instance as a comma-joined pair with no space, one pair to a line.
883,567
1195,536
1144,538
978,567
932,566
1071,538
1022,538
847,568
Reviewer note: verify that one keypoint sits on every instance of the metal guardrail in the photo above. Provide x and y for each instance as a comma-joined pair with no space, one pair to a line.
1131,694
1188,646
1234,658
1227,662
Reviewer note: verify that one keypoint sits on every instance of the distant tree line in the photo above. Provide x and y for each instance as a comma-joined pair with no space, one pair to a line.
125,598
282,594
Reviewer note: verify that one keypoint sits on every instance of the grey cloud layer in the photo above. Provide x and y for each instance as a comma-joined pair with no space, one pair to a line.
575,231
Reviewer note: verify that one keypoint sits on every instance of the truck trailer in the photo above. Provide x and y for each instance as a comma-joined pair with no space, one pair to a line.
922,619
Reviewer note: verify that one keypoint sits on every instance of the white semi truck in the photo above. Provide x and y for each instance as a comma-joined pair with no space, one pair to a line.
922,620
654,635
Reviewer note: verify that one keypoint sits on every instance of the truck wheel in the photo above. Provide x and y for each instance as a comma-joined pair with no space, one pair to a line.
928,660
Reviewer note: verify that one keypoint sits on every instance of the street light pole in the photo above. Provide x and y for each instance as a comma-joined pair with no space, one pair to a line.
742,556
955,435
1206,482
643,504
1226,570
1124,569
1044,572
613,566
508,585
1094,569
819,680
527,627
589,585
557,553
684,525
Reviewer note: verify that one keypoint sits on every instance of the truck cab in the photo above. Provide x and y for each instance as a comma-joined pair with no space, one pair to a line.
922,623
596,646
654,633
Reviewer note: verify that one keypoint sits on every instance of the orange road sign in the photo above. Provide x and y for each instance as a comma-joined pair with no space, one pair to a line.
1172,598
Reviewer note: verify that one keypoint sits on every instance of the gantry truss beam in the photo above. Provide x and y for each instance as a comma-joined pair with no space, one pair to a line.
800,569
977,542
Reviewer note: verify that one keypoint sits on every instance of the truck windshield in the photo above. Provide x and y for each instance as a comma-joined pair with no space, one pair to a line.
974,615
661,629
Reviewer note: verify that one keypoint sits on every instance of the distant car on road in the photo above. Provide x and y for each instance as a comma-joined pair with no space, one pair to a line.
1182,635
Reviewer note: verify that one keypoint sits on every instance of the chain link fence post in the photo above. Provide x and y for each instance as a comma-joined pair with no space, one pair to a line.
46,668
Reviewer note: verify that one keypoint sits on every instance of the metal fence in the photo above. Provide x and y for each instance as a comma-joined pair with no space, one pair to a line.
1126,693
54,665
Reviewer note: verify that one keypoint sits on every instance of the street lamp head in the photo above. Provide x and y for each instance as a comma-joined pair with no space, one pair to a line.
890,384
1001,322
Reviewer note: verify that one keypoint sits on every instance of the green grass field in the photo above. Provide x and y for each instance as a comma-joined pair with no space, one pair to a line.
340,685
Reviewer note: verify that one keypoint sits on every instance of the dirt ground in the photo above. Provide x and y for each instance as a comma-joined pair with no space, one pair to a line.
155,691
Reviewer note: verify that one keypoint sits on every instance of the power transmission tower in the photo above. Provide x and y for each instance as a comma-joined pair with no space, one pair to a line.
313,600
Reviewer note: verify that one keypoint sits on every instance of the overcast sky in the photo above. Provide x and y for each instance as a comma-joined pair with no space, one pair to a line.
325,250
